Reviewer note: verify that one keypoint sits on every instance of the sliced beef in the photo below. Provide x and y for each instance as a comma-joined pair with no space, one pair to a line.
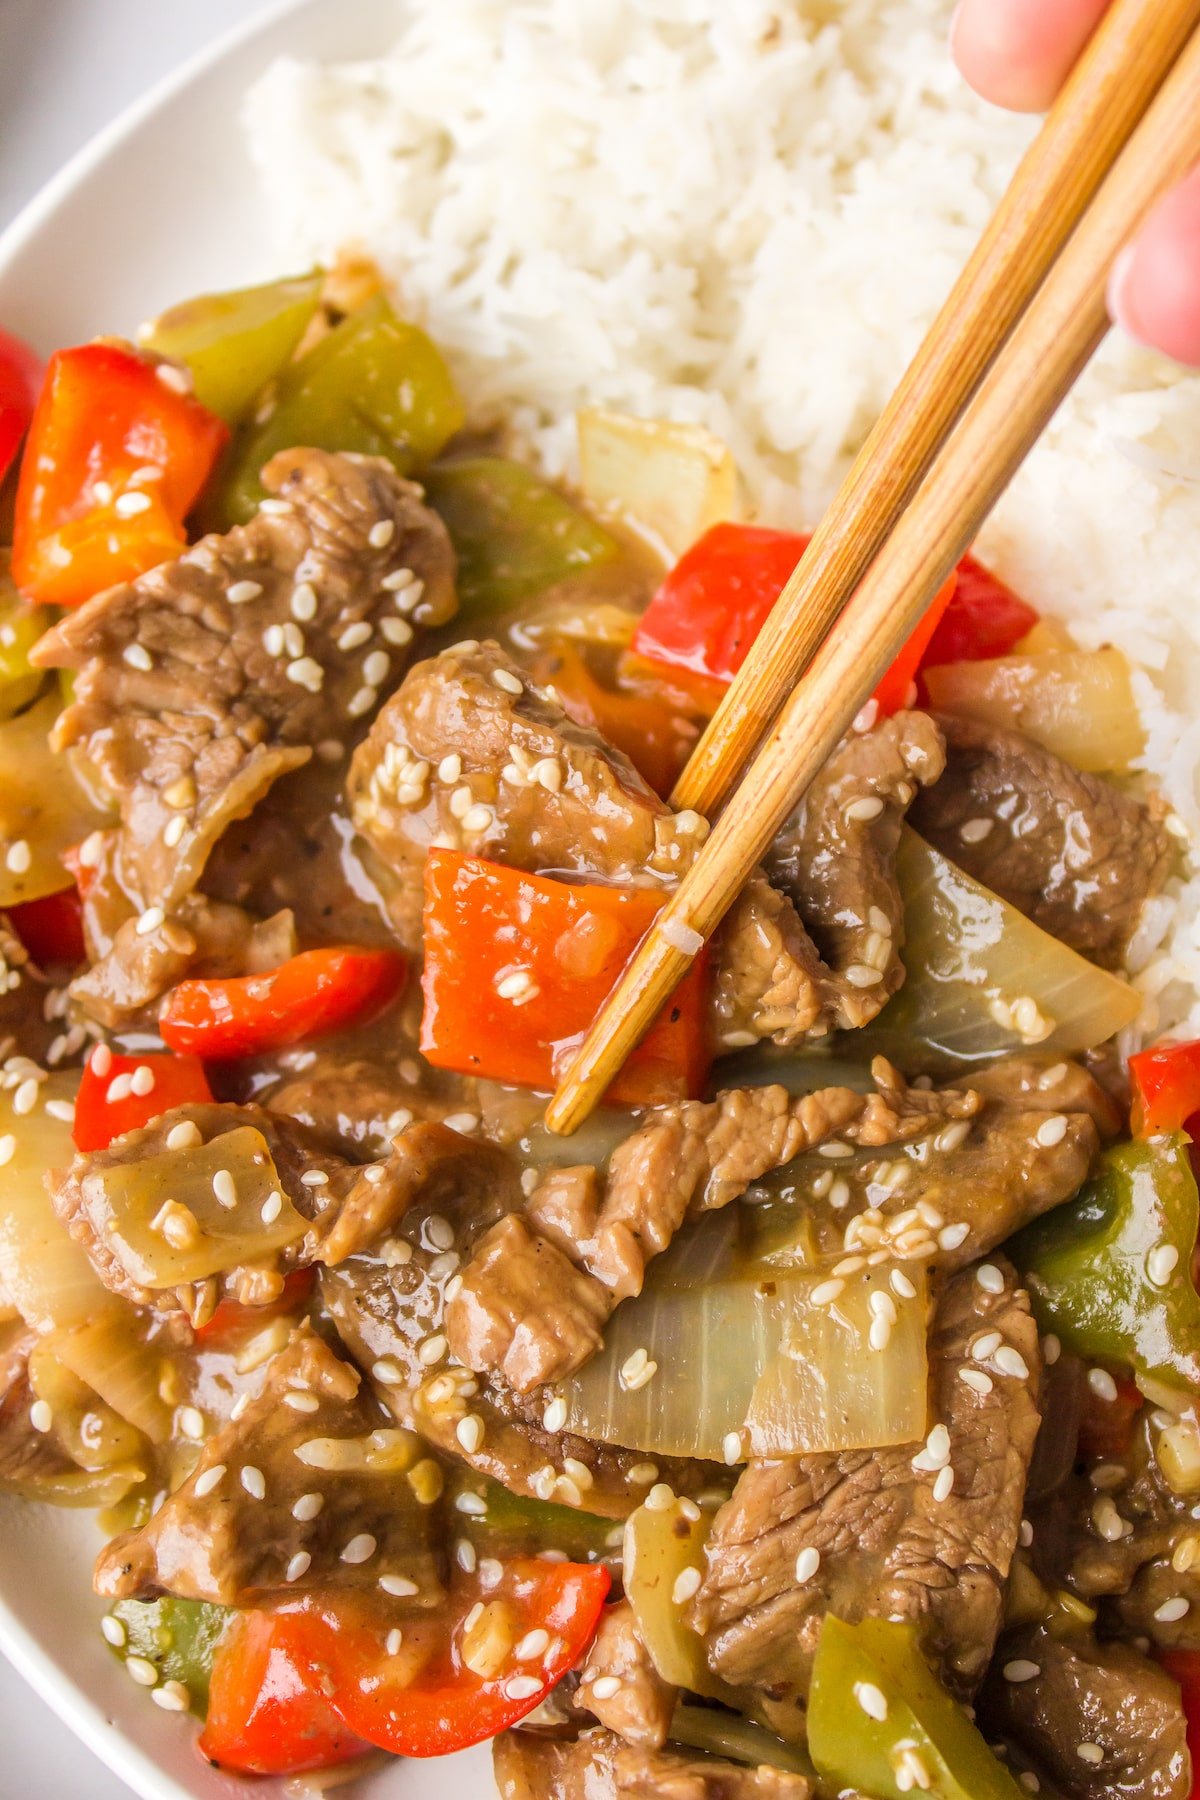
888,1546
975,1169
470,753
210,677
314,1444
1066,848
1052,1694
639,1708
357,1104
598,1766
835,860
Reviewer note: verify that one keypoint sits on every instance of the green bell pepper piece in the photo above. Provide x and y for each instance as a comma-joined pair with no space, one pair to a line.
718,1732
178,1636
1085,1263
511,1526
874,1667
513,533
21,625
233,343
374,385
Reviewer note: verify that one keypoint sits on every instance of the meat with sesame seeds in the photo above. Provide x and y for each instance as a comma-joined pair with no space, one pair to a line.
1068,849
600,1766
639,1707
235,1546
887,1546
216,707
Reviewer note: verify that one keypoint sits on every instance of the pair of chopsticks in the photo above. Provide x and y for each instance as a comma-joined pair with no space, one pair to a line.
1021,324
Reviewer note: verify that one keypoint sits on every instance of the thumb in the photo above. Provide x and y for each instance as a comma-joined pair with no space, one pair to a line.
1155,288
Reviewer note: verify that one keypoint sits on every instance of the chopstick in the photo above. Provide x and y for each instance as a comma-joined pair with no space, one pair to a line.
1047,351
1125,63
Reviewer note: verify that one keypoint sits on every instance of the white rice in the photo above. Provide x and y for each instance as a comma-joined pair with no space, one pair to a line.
746,213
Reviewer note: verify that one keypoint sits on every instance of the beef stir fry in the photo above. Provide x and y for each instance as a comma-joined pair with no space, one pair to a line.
822,1417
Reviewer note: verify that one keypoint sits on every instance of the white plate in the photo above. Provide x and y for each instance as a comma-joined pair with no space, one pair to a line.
160,205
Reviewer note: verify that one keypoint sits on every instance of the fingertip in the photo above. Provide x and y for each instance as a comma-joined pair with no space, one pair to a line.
1154,289
1018,53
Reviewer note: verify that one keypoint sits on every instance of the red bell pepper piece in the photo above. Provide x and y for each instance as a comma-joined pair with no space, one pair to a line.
484,924
51,928
1166,1087
1184,1667
20,379
115,460
445,1705
231,1319
716,599
107,1105
1106,1426
264,1715
316,992
656,726
983,619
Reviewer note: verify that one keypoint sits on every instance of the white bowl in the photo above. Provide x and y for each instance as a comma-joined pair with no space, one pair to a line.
162,204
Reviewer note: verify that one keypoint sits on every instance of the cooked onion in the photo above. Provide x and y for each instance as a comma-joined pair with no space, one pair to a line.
740,1350
982,980
672,481
43,806
48,1276
1078,703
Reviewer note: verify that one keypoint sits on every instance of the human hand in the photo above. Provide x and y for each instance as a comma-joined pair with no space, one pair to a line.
1018,53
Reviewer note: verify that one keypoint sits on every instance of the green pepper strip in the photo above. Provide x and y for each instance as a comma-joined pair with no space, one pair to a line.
1100,1271
879,1721
234,343
179,1637
512,1526
375,385
514,535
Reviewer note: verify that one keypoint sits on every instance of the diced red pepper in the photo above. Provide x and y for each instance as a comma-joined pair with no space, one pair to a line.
20,379
51,928
116,459
109,1104
557,948
983,619
264,1715
1107,1426
1184,1667
311,994
715,601
231,1319
437,1703
1166,1087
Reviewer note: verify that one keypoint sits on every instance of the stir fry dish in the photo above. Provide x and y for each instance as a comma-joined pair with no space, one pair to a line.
822,1417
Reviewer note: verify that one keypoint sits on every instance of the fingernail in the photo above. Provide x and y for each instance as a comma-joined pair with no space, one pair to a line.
1118,284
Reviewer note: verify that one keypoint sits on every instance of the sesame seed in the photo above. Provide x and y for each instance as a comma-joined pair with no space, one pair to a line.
985,1345
989,1278
473,1504
660,1496
150,921
1025,1533
432,1350
304,602
300,1564
360,1549
901,1285
306,672
113,1631
314,1178
128,506
871,1699
173,831
307,1507
731,1448
686,1583
555,1415
398,1586
973,831
508,682
1021,1669
208,1480
375,667
301,1402
272,1206
224,1189
951,1236
477,818
1051,1131
273,641
25,1098
826,1292
1102,1384
807,1563
387,1371
524,1687
862,811
8,1148
191,1423
101,1060
1011,1362
862,975
398,578
1089,1753
533,1646
381,534
40,1415
254,1482
1171,1610
184,1136
1107,1520
141,1670
239,592
943,1482
361,702
976,1379
355,635
118,1089
1160,1264
470,1432
141,1082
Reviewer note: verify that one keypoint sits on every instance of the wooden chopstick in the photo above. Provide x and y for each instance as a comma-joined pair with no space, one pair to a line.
1124,65
1045,354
